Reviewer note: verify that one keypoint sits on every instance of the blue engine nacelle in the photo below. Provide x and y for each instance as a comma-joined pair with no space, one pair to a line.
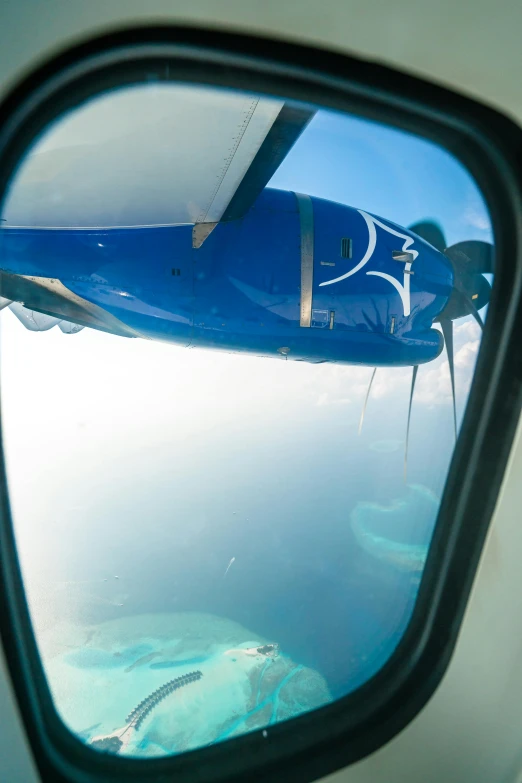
297,276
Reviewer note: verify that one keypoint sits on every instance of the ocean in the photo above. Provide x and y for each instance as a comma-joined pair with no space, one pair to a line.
121,534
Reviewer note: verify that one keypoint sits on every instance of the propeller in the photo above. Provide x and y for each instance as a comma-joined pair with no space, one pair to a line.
366,400
471,292
412,389
447,331
431,233
478,256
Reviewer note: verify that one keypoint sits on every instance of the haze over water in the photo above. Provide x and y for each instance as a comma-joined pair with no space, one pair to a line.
139,472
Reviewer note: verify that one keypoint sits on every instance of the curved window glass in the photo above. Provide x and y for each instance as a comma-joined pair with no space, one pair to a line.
238,336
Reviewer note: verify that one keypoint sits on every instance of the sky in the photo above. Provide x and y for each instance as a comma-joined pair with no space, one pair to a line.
120,450
387,172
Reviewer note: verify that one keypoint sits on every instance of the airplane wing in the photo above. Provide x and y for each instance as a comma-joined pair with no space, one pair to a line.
146,156
153,156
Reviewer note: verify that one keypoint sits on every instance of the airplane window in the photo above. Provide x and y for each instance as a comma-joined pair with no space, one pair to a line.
217,539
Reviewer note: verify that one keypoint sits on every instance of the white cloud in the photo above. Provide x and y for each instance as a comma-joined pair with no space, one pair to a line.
467,356
476,217
466,330
434,382
325,399
389,380
349,385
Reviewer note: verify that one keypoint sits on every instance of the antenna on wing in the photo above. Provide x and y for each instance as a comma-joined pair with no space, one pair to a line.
412,389
366,400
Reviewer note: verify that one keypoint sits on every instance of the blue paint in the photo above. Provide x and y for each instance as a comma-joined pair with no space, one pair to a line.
241,290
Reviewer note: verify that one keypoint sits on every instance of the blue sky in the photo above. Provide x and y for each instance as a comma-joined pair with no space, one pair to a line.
387,172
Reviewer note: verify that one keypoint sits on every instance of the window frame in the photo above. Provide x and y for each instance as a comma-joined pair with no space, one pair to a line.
488,145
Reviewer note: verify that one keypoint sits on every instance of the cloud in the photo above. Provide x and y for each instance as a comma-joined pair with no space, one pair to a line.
433,386
434,381
467,356
476,217
348,385
467,330
389,380
325,399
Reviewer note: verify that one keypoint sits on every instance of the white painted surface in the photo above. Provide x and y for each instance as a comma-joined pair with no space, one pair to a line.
404,289
145,155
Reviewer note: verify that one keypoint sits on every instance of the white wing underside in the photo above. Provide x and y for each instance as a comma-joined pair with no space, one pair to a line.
141,156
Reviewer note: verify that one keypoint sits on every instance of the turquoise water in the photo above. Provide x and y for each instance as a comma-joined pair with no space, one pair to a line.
169,469
397,534
328,550
244,682
89,658
331,577
175,664
272,700
386,446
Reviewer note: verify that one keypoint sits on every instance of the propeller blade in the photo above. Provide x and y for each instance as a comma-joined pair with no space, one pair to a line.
366,400
474,312
413,379
431,233
471,292
447,331
479,256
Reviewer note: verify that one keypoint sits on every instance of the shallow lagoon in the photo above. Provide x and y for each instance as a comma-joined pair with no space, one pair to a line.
99,674
386,446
